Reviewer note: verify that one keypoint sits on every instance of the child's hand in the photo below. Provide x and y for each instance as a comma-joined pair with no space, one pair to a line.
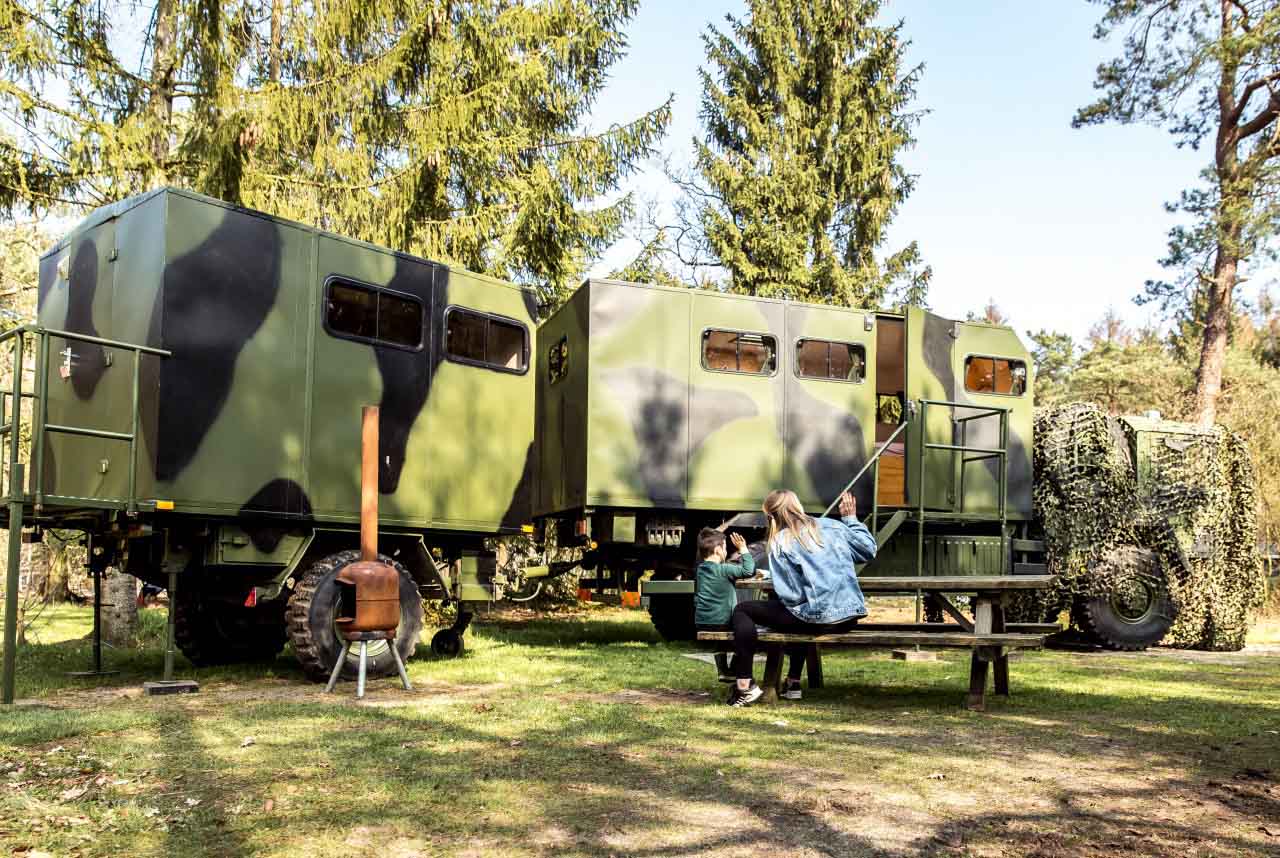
848,506
738,542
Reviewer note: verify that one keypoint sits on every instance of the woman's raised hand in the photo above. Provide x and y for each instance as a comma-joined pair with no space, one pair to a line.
848,506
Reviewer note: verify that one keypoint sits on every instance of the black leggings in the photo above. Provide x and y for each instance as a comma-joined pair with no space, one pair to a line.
774,614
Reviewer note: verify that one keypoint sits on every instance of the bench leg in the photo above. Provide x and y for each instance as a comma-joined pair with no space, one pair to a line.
813,666
722,664
1000,671
976,700
772,672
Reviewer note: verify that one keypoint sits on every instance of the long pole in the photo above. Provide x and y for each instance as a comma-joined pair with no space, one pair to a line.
369,483
17,482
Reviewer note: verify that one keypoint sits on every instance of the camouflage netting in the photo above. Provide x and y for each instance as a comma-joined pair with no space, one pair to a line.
1191,531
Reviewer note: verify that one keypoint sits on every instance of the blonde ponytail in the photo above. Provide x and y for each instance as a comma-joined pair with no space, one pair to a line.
787,521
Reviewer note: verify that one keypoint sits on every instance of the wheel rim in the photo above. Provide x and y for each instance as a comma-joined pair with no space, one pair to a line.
1133,601
375,648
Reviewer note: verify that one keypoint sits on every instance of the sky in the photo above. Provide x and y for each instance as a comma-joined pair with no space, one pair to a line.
1011,203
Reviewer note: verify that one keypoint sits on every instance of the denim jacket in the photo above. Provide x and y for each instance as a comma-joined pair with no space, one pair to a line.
820,585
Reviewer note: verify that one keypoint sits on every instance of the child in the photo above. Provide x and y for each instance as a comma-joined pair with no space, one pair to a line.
714,593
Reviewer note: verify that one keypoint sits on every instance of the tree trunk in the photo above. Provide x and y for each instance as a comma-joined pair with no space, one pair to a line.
277,37
119,608
160,104
1213,351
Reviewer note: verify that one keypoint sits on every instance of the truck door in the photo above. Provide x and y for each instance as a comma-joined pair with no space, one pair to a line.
84,381
829,371
930,376
372,347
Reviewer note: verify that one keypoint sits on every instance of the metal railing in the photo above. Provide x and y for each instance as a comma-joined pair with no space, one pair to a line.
923,447
17,495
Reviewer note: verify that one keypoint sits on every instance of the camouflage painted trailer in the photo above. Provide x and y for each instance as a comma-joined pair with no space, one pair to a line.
244,473
663,410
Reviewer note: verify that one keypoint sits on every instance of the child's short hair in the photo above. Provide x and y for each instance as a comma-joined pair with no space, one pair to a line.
709,539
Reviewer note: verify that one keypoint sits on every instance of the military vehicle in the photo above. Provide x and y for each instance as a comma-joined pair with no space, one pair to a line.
199,375
661,411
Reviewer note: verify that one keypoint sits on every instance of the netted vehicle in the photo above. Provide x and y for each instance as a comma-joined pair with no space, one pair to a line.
1150,527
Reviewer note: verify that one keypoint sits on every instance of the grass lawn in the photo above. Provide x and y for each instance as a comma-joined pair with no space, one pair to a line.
585,735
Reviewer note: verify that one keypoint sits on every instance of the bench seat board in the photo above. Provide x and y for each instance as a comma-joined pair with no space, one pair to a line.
937,583
883,638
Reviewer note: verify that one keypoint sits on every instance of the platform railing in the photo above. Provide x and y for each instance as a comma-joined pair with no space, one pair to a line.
11,426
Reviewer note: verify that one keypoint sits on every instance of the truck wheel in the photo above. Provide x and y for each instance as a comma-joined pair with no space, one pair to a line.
313,610
672,616
447,643
211,632
1136,616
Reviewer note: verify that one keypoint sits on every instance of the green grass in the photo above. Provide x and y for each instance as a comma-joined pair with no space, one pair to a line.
586,735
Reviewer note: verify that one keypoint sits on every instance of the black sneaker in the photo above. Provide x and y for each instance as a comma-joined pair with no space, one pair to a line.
792,691
741,698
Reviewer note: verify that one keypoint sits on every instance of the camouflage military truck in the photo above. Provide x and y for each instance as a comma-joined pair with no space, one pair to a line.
200,371
661,411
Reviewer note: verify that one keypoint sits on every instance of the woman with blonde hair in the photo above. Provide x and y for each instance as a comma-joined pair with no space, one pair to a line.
813,566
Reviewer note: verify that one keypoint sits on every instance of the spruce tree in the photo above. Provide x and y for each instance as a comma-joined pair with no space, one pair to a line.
451,130
805,108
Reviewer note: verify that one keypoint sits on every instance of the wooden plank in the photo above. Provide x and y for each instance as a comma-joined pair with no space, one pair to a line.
876,638
976,700
772,674
933,583
951,610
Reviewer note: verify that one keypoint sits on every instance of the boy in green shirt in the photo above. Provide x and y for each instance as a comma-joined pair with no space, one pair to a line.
714,593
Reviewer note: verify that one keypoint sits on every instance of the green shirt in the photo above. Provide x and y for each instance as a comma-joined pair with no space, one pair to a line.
714,594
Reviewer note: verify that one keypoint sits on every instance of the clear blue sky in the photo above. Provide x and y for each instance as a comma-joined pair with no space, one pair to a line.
1012,203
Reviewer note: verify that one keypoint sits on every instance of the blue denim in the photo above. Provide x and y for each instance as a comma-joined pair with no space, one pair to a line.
820,585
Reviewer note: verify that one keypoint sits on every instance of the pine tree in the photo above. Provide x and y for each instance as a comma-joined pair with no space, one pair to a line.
450,130
1206,70
805,108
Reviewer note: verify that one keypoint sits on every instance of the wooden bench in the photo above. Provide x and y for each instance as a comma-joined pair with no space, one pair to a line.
986,634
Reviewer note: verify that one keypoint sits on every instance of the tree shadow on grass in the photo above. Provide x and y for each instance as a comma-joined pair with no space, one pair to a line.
623,783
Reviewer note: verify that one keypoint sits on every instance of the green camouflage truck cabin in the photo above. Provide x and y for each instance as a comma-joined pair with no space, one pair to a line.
661,410
279,333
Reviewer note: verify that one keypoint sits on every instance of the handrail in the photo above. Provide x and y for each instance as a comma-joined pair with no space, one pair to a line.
875,457
115,344
84,338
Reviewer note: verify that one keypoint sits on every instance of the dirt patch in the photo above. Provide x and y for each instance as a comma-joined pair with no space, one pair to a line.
384,692
647,697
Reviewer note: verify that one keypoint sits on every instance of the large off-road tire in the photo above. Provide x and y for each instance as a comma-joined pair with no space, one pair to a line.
211,632
313,607
672,616
1137,614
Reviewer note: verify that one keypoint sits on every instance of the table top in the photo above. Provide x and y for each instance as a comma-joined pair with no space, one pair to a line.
933,583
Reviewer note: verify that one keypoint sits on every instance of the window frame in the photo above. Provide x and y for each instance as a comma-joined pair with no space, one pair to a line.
830,343
444,340
702,352
330,280
964,373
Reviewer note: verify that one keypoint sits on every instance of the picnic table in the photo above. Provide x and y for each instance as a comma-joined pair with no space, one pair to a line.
987,634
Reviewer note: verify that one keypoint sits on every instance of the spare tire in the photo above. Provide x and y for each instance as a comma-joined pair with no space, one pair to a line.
1137,612
313,608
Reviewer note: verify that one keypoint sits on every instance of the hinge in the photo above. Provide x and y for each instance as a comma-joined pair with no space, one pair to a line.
114,255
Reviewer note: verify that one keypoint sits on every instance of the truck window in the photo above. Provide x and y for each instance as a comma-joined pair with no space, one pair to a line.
1002,376
558,360
831,360
484,340
738,351
360,312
